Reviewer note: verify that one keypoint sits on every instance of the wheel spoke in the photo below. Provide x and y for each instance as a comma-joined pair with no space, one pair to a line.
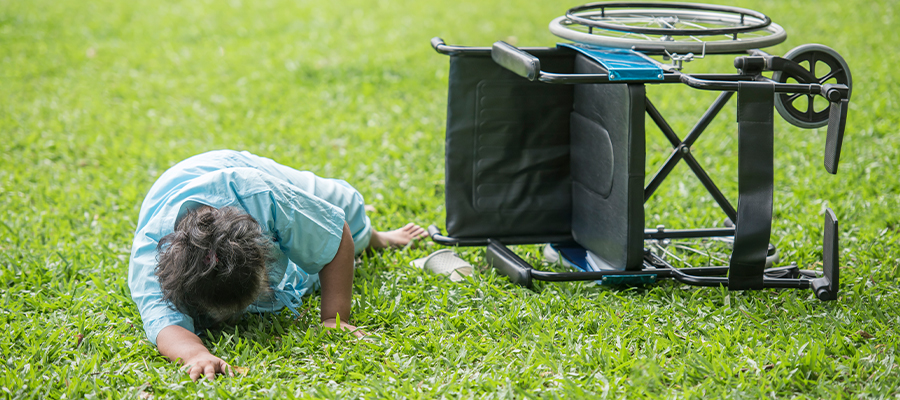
694,25
648,38
812,64
640,18
831,74
669,253
793,97
810,111
706,253
627,34
625,21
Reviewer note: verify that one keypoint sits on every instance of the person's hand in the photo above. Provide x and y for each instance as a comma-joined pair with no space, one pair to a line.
332,323
181,345
207,365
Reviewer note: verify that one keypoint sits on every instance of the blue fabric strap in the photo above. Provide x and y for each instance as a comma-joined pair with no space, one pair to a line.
623,65
286,297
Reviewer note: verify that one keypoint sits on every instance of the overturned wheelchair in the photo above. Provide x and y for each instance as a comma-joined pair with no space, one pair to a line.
534,156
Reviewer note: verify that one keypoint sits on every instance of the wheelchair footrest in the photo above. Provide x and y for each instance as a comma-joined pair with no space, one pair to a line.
826,287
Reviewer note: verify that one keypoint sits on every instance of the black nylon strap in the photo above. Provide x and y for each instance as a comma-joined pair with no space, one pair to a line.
755,185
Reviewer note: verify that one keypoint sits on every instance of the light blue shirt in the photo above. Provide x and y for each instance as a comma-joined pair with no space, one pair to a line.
304,214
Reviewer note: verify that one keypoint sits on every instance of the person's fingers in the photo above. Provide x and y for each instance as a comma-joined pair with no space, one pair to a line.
227,370
359,333
210,371
412,229
195,372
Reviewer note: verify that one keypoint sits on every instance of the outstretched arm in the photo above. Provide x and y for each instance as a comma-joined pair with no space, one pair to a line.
179,344
336,279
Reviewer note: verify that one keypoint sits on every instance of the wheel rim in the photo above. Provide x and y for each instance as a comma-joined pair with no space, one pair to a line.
639,13
770,35
800,109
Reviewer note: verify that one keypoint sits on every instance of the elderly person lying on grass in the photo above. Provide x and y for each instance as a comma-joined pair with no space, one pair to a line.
226,232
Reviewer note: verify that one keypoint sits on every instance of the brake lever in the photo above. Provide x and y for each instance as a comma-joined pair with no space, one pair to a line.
837,121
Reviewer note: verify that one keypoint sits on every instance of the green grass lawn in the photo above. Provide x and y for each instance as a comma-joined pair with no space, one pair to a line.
98,98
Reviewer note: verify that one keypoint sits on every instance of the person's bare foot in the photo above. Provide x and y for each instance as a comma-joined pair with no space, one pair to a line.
397,237
332,324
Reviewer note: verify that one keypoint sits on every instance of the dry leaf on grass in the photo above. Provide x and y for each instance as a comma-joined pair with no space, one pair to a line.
241,370
767,367
865,335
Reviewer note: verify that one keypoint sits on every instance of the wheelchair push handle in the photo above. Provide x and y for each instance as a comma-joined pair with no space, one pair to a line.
516,60
437,43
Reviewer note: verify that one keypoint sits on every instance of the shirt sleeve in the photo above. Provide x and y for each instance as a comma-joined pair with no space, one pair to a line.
156,314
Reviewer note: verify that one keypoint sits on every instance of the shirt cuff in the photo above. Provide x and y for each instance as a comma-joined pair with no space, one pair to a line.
153,328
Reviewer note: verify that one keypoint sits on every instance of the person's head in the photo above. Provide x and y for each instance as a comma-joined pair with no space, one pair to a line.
214,263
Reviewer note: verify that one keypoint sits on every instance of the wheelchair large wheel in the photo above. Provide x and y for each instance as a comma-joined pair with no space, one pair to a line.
827,66
676,27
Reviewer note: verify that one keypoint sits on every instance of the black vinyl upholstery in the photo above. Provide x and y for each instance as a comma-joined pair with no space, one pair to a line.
507,172
607,141
537,160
